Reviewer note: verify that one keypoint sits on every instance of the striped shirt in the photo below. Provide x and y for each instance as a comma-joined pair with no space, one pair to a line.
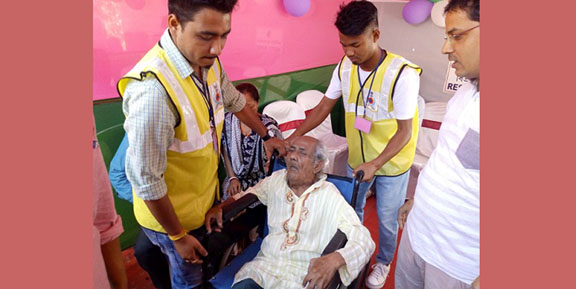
151,118
312,219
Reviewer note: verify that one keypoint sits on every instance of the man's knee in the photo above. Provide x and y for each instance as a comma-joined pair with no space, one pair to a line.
246,284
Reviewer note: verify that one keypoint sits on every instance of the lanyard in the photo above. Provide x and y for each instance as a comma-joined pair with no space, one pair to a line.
373,75
206,97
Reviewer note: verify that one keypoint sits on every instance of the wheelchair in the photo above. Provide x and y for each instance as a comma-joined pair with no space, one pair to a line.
224,277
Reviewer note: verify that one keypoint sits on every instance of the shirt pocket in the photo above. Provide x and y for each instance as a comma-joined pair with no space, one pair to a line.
468,152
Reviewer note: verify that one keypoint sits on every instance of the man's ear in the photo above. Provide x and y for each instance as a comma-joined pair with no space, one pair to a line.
376,34
319,166
173,23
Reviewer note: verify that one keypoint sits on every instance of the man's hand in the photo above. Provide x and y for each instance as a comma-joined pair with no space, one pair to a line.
233,187
476,283
369,169
190,249
403,213
321,270
289,139
214,215
275,144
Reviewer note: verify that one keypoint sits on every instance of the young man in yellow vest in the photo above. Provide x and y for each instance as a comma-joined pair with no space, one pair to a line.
174,101
380,95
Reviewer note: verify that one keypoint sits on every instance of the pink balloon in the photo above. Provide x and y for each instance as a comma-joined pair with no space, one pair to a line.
297,7
417,11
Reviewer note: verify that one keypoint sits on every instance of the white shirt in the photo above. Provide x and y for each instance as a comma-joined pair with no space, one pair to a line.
404,100
317,214
444,224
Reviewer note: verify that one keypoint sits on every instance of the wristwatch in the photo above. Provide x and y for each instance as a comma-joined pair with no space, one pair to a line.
270,134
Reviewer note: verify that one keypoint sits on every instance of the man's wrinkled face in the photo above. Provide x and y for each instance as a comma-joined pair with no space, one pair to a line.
300,165
202,39
462,44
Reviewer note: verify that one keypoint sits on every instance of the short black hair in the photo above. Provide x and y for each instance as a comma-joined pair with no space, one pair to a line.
249,88
355,17
472,7
186,9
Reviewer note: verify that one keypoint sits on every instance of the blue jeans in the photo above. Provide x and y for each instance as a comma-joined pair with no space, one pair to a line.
246,284
390,196
184,275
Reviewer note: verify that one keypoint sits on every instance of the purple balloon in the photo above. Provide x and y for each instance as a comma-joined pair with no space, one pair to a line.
417,11
297,7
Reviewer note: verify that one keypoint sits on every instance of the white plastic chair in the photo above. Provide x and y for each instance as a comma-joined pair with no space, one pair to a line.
288,114
336,146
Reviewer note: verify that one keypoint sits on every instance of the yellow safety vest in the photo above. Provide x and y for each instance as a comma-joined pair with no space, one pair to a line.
192,163
379,110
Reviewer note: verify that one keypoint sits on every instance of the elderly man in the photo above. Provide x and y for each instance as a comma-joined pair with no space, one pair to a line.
304,212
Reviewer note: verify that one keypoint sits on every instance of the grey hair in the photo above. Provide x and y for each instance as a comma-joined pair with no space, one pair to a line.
320,155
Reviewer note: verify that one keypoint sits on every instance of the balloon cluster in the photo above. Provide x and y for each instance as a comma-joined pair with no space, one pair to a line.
417,11
297,7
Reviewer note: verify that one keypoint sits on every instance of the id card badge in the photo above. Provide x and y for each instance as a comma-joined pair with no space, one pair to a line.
362,124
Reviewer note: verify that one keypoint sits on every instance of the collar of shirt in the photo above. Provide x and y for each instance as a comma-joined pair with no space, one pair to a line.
471,88
182,65
310,189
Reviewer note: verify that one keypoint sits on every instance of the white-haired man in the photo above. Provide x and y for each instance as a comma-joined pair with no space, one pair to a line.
304,212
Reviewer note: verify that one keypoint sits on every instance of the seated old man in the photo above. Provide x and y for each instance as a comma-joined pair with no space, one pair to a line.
304,212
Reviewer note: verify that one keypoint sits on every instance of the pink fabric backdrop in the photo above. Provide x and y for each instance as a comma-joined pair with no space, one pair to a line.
265,39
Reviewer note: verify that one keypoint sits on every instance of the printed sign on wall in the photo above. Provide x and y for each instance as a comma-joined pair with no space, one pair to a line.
453,82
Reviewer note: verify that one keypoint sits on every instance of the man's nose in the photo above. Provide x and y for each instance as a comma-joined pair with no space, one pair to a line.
349,52
291,156
447,47
216,47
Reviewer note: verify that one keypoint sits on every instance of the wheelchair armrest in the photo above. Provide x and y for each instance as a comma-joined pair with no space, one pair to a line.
231,210
338,241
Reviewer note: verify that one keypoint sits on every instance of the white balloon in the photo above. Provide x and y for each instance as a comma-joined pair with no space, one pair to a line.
437,13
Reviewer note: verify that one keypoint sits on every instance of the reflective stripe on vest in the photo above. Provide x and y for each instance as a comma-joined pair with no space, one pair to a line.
379,110
191,170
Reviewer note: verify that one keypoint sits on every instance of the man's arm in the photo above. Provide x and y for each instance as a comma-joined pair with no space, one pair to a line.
260,190
403,213
315,117
324,107
358,248
234,186
396,144
251,119
112,255
107,223
188,246
236,103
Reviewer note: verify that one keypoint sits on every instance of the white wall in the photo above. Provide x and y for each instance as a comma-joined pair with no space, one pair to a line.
420,44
